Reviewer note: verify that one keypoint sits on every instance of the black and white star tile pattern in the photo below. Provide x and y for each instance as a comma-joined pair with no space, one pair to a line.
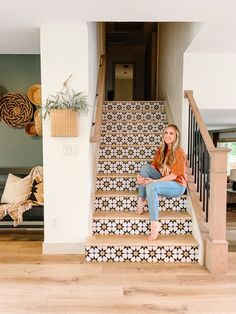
120,167
133,116
140,226
129,203
131,152
129,139
134,105
111,253
121,153
133,126
116,184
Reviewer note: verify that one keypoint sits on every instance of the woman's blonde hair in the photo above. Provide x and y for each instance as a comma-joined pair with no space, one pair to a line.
164,147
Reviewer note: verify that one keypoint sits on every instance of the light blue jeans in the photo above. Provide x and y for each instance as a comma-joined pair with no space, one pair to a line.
152,190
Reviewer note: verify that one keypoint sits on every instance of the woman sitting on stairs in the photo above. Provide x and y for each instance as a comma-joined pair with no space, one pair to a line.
165,176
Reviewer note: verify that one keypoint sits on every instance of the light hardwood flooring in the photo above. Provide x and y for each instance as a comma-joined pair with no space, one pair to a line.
34,283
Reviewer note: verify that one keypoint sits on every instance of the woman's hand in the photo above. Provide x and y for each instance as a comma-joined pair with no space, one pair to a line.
140,179
148,180
144,181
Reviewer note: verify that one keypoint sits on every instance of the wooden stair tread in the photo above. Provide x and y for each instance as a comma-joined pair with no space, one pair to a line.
125,159
133,121
162,240
130,133
132,215
134,101
116,175
120,193
135,110
128,145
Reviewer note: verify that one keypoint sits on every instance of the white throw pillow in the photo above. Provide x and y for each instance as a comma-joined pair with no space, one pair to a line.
16,189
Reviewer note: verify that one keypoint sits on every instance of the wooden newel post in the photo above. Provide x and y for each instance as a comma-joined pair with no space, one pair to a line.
216,244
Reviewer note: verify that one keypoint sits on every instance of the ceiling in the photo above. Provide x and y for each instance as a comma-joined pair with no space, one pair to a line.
126,33
219,118
20,21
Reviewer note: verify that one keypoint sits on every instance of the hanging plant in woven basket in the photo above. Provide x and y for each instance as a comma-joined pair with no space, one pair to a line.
16,110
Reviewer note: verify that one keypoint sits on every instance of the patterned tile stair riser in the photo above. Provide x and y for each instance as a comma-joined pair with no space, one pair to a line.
141,254
131,152
119,183
149,253
140,226
116,184
133,126
133,116
130,139
129,203
120,167
138,105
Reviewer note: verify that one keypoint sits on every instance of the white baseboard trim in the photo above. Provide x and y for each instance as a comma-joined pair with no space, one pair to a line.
63,248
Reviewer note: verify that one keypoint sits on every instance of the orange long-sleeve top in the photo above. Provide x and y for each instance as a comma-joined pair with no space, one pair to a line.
178,167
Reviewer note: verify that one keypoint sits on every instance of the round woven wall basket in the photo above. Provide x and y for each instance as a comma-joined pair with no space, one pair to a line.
38,122
30,129
34,94
16,110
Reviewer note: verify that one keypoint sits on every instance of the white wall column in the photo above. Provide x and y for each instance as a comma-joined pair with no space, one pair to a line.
67,177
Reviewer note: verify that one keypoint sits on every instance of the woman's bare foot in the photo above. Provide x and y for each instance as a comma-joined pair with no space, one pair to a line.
155,228
141,204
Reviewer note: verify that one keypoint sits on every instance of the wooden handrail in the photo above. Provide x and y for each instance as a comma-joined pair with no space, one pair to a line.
100,97
201,124
216,244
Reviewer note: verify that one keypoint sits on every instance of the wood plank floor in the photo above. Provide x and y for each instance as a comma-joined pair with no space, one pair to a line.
33,283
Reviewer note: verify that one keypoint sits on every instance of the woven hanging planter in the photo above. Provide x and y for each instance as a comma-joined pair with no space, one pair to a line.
64,122
16,110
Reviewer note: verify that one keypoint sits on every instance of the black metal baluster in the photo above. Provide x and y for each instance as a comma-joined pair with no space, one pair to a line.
204,178
199,161
193,149
201,165
195,153
189,130
191,141
197,158
207,186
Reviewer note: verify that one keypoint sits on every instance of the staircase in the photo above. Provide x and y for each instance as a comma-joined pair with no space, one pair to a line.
131,133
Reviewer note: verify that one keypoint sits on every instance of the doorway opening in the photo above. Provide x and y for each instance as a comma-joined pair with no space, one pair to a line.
124,81
131,54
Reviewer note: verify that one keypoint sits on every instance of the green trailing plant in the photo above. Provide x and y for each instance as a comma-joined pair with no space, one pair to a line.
67,98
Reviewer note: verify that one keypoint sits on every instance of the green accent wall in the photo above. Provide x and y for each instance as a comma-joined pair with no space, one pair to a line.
17,149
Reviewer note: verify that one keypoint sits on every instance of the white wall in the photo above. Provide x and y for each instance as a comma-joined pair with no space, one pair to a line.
174,38
212,76
67,169
209,70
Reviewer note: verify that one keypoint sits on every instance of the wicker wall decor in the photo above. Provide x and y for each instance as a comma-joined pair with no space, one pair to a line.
38,122
64,122
3,91
16,110
34,94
